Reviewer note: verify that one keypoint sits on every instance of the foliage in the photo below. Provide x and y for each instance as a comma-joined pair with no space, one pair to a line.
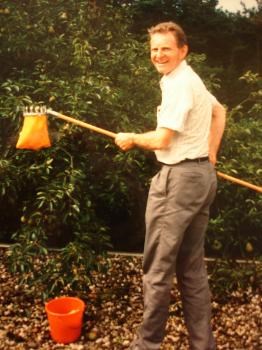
227,276
51,273
59,196
235,228
87,60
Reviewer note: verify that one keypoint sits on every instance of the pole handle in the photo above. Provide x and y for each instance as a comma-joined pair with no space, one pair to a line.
240,182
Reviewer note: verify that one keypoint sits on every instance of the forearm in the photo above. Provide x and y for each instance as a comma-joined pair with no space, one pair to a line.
152,140
216,131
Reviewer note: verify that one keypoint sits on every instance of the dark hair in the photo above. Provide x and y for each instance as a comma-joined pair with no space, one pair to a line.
172,27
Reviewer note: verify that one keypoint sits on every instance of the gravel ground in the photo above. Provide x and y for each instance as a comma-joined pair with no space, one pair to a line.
114,310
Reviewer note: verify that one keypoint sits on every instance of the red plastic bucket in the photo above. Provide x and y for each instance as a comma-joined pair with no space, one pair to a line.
65,316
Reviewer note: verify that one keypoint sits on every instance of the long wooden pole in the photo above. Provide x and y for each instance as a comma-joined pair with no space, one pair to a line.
113,135
82,124
240,182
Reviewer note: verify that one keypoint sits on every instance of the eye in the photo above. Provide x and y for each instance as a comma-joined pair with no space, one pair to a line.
166,49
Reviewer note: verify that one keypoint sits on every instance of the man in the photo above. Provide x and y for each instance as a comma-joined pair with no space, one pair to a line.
190,125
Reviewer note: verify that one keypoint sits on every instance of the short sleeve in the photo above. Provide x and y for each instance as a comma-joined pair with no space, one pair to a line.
213,99
177,101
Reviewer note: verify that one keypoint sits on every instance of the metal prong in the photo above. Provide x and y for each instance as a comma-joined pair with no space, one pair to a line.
34,110
25,110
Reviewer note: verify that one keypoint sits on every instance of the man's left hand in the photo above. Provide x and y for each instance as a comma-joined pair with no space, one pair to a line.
125,141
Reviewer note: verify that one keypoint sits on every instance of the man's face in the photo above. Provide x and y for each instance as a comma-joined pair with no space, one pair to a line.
165,54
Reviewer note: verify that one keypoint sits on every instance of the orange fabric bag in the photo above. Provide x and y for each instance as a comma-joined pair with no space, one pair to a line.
34,133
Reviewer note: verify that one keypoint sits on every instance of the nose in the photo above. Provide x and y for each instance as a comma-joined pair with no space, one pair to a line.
159,53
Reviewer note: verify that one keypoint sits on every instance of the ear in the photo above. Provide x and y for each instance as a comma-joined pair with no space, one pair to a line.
183,51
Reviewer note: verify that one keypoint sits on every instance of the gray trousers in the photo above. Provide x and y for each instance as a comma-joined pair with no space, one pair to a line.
176,220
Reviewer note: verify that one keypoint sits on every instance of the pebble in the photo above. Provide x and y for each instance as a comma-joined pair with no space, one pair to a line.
114,312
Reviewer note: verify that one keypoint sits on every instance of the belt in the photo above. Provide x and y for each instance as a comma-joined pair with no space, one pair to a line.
187,160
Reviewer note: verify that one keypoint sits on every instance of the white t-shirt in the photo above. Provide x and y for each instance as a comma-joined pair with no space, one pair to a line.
186,108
